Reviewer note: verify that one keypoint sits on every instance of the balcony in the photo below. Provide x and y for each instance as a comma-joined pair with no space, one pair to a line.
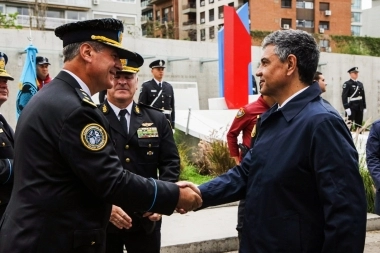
75,4
189,25
45,22
189,8
146,5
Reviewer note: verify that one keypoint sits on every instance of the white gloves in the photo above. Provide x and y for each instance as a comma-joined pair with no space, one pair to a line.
348,111
365,111
173,131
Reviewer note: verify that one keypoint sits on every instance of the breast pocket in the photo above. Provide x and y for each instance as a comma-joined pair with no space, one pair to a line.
149,150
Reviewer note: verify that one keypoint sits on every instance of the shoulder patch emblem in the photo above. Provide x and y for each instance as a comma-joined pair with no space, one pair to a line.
344,85
94,137
240,113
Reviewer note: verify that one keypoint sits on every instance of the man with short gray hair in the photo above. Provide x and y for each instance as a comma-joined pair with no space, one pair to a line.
301,180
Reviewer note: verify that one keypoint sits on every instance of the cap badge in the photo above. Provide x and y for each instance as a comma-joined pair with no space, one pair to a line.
160,63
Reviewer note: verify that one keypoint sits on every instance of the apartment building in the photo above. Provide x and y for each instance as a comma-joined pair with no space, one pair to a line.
49,14
160,18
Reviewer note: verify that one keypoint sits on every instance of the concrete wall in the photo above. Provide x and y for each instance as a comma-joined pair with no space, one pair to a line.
190,70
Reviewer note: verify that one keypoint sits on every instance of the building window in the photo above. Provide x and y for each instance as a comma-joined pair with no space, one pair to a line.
125,1
305,23
168,14
324,24
220,26
211,15
203,34
286,4
356,4
221,12
211,1
54,14
355,30
19,10
324,43
202,3
211,32
324,6
231,4
355,17
76,15
304,5
286,23
203,15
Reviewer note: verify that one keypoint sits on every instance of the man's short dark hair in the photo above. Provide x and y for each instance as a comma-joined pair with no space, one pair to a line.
316,75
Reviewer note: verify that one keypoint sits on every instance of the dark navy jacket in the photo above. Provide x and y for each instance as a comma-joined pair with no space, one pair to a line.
302,184
373,153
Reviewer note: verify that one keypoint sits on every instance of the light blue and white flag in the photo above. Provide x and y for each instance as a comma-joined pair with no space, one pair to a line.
28,80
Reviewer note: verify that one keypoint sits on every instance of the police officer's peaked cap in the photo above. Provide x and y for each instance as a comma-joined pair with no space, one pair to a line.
157,64
3,62
354,69
42,60
130,66
108,31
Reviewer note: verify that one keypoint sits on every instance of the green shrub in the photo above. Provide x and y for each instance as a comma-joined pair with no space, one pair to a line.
190,173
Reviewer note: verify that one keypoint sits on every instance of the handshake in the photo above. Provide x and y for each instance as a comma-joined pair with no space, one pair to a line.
189,197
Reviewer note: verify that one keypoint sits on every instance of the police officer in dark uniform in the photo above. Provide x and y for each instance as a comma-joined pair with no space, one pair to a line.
145,145
353,98
67,172
6,140
158,93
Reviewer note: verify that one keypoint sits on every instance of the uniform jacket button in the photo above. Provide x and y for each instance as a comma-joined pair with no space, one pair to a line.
92,243
126,146
150,145
127,160
3,144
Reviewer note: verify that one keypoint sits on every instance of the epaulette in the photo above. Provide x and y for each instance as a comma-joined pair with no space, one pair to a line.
150,107
85,98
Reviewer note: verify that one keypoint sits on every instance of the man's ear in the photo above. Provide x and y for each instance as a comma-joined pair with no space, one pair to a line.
86,51
292,64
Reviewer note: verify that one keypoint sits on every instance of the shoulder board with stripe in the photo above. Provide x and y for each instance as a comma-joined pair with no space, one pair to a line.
84,97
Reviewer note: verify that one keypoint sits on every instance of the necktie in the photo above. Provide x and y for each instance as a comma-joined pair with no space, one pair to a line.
159,85
123,120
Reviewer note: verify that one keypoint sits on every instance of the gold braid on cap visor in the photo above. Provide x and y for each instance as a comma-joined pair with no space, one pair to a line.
126,68
105,39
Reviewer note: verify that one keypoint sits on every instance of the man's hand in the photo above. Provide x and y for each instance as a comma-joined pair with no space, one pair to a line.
119,218
189,197
348,111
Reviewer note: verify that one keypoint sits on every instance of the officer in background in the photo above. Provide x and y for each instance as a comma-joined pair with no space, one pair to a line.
144,143
353,98
42,68
6,141
158,93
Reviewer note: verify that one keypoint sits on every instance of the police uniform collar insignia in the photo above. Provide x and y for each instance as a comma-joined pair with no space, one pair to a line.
146,124
105,108
240,113
94,137
137,109
84,97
